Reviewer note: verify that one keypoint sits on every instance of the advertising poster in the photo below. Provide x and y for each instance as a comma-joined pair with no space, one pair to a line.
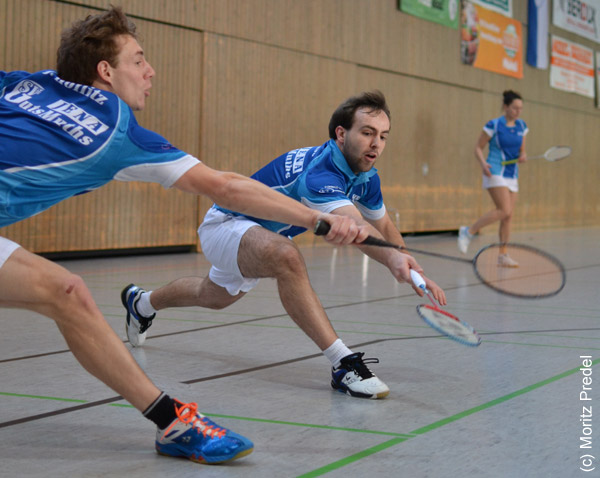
597,79
577,16
491,41
503,7
572,67
438,11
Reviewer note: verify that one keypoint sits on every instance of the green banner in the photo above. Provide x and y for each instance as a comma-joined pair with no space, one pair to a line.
439,11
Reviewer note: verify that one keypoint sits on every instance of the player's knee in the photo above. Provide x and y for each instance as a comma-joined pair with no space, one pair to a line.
73,293
505,214
289,259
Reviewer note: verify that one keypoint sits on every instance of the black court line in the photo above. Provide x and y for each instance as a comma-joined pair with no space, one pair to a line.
117,398
278,316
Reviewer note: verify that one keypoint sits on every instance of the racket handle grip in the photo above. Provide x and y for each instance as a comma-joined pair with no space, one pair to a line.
417,279
321,228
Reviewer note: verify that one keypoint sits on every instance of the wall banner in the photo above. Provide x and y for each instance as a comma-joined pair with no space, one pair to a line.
491,41
578,16
598,79
503,7
439,11
572,67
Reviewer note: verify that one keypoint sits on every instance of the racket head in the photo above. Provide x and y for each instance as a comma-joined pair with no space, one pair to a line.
448,325
538,274
556,153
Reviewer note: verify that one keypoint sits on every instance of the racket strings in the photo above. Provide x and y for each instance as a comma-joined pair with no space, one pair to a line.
558,152
520,271
449,325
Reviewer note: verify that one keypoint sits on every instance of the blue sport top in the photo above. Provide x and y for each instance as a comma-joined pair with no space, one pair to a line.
505,144
59,139
321,179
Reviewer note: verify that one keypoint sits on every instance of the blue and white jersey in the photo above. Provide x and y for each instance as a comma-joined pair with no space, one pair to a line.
59,139
321,179
505,144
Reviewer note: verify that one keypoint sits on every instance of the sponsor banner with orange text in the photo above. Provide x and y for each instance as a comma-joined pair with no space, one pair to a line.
572,67
491,41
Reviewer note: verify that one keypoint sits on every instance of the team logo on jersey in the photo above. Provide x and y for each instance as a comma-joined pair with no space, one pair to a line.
331,190
24,91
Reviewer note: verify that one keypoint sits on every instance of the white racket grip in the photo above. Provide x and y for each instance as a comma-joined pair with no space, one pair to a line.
417,279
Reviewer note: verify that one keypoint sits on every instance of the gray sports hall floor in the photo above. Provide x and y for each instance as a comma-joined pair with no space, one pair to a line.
509,408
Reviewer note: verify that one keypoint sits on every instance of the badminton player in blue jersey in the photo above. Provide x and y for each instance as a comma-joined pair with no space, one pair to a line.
70,131
505,137
336,177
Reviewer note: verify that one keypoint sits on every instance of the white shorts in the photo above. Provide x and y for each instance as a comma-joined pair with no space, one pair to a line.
497,181
220,235
7,247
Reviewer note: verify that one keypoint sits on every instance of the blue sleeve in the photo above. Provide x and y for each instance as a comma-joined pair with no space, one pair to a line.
148,140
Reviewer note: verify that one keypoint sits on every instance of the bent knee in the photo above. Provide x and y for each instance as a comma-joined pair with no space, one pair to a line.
70,292
287,257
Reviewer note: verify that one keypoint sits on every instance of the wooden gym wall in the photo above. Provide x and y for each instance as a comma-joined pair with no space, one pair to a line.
241,81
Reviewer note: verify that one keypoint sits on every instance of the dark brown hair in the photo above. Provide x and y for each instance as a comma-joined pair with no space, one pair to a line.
343,116
90,41
509,96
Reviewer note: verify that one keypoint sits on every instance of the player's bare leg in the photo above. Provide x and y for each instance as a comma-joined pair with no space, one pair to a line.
31,282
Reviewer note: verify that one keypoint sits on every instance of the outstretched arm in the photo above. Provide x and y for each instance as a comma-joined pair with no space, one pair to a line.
247,196
397,262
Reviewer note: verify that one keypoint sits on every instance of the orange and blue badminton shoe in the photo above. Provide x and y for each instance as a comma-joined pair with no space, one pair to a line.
192,435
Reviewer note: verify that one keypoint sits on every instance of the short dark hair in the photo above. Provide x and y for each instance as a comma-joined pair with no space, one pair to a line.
508,96
88,42
343,116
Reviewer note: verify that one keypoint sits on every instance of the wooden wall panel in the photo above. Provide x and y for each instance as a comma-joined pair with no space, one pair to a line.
239,82
119,215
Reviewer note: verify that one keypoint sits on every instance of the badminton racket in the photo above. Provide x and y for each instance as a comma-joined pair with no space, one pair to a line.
442,321
516,270
555,153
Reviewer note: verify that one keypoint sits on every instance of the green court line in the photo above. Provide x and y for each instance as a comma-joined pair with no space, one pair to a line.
403,436
231,417
42,397
435,425
352,458
398,437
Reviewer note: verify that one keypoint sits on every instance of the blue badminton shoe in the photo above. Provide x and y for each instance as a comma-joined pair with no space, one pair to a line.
136,324
354,378
192,435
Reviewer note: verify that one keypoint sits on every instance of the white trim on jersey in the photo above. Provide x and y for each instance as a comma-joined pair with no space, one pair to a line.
166,173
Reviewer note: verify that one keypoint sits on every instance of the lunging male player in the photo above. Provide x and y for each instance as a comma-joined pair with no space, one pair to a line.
337,177
70,131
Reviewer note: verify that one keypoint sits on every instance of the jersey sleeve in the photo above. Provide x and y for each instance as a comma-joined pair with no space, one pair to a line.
489,128
525,128
149,157
371,204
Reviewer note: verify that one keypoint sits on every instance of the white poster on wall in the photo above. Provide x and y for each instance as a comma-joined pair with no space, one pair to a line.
578,16
572,67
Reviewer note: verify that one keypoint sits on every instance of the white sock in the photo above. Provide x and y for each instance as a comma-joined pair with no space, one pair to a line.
144,307
336,352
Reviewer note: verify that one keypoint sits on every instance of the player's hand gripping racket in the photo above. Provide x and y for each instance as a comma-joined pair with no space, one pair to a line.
512,269
555,153
442,321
